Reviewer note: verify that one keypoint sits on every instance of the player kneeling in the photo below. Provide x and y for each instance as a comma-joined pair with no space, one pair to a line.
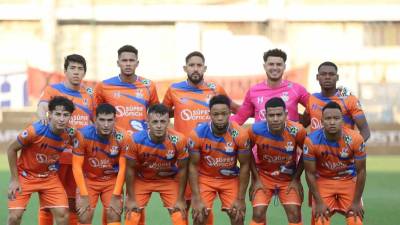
157,162
41,147
99,166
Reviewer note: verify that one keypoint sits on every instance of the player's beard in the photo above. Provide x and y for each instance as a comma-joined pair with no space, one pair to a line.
195,81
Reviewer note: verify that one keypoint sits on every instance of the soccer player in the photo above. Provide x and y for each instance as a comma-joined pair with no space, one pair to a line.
278,172
157,162
215,147
71,88
189,99
98,165
129,93
41,147
256,97
352,112
335,162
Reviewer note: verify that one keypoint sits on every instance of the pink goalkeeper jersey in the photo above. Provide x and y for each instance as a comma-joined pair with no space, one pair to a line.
256,97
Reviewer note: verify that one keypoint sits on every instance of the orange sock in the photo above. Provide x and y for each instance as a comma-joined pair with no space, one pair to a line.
73,218
296,223
134,219
350,221
45,217
142,218
325,222
177,218
114,223
104,217
210,220
255,223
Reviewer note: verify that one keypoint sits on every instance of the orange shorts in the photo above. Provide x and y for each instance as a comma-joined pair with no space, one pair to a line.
336,194
67,179
275,187
227,190
50,190
167,188
99,188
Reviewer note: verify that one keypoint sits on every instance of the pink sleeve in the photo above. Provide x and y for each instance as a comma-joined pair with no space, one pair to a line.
245,111
303,95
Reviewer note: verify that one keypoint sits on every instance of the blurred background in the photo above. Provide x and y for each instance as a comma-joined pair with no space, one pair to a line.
361,37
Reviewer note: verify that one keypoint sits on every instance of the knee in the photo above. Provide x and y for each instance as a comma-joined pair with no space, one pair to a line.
259,214
112,216
294,215
14,217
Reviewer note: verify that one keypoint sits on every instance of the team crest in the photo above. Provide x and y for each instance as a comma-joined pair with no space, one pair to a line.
170,154
347,139
139,93
285,96
24,134
289,146
344,153
211,86
293,130
229,147
89,90
174,139
146,82
71,131
114,150
234,133
119,136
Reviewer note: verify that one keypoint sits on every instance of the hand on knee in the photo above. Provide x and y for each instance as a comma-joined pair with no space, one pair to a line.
112,216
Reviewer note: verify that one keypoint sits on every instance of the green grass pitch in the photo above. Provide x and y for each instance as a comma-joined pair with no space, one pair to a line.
381,199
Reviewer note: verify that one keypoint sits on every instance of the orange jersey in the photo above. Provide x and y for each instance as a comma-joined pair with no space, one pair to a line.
277,154
351,109
157,160
335,159
82,99
218,154
101,156
41,149
131,100
190,104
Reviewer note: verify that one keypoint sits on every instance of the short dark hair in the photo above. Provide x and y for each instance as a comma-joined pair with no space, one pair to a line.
332,105
127,48
276,53
76,59
275,102
195,53
105,108
61,101
220,99
158,108
327,63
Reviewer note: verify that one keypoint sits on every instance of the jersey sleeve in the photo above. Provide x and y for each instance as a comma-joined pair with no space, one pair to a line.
98,95
300,136
153,94
47,94
359,148
243,141
78,145
167,101
245,111
303,95
221,91
194,143
355,108
182,148
308,150
27,136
